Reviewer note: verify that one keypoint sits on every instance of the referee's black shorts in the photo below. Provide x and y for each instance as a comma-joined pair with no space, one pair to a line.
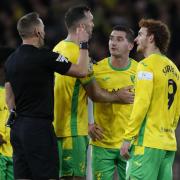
35,152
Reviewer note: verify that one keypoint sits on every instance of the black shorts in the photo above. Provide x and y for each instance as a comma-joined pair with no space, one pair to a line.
35,152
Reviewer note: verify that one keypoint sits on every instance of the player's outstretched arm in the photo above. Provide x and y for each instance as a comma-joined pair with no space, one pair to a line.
98,94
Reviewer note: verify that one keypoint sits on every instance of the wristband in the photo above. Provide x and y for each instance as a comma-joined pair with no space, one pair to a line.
83,45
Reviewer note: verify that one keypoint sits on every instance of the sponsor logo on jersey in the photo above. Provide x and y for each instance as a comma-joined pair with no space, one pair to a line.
105,78
132,78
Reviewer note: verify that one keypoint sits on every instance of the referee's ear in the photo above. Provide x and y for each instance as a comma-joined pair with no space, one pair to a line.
36,32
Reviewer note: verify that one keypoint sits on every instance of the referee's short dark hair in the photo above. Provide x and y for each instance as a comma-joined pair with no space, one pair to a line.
74,15
27,23
129,32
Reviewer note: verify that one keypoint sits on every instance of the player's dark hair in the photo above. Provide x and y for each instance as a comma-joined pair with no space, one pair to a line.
129,32
74,15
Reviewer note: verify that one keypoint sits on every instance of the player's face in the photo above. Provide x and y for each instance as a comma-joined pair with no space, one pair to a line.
88,22
41,34
142,40
118,43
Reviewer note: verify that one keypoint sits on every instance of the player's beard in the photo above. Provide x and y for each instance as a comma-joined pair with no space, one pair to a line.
89,31
140,49
90,34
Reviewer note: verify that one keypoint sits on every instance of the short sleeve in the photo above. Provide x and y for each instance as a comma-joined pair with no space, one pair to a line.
57,62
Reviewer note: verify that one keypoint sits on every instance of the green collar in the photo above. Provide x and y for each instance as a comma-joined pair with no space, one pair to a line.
119,69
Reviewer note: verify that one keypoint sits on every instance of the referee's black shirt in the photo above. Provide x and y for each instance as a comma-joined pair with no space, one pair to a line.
30,71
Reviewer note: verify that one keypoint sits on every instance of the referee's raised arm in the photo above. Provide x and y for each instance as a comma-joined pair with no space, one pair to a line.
30,90
63,66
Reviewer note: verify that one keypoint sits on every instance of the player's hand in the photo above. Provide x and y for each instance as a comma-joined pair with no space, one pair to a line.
124,151
82,34
95,132
126,95
2,141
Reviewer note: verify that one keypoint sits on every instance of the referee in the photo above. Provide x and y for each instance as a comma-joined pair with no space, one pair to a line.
29,91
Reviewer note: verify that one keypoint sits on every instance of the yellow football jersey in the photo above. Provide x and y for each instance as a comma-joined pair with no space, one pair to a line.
113,118
70,114
156,107
6,148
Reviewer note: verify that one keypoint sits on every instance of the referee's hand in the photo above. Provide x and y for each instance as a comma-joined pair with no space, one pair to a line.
95,132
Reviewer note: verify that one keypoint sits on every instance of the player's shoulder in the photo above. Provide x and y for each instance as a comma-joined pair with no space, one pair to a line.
100,63
66,45
172,64
133,62
149,61
103,61
58,46
153,58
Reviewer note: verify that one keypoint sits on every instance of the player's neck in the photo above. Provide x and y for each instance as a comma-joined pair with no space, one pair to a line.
31,41
119,62
152,50
72,37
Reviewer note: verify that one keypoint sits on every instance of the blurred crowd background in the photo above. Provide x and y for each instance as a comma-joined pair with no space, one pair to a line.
107,13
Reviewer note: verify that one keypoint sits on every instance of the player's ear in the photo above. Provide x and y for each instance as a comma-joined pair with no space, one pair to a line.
151,38
130,46
36,32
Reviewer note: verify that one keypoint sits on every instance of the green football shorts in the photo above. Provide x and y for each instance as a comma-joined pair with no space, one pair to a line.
104,161
73,155
6,168
150,164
